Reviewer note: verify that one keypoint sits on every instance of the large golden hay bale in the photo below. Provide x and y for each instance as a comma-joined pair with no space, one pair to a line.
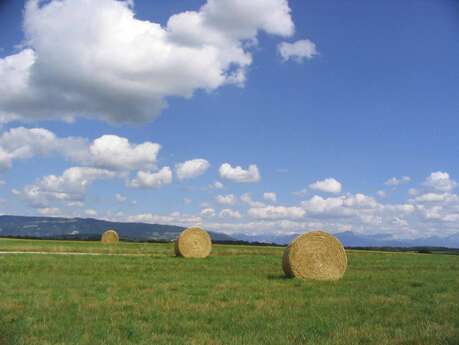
315,255
110,237
193,243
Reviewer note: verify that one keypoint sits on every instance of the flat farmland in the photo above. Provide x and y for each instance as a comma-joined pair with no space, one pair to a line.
141,294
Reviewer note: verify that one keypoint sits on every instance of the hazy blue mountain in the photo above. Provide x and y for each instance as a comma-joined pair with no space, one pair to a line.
88,228
350,239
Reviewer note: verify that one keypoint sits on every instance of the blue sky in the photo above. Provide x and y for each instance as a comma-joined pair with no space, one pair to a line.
364,93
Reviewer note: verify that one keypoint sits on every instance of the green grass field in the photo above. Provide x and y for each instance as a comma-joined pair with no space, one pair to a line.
237,296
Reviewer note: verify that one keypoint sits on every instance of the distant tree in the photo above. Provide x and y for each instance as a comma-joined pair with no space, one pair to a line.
424,251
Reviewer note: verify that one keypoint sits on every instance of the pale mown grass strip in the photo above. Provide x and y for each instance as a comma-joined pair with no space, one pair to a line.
71,253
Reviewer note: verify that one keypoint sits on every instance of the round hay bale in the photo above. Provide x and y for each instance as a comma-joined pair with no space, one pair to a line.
315,255
110,237
193,243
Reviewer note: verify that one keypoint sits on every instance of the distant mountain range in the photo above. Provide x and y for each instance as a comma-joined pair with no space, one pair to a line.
89,228
350,239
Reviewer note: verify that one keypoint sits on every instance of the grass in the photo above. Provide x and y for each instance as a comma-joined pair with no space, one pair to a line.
237,296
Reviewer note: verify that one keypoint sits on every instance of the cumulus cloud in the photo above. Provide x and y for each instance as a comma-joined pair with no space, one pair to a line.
246,198
412,191
381,193
320,205
238,174
191,169
301,193
71,186
270,196
394,181
114,152
258,226
436,197
345,205
49,211
107,152
329,185
208,212
91,212
228,213
173,218
118,68
147,179
276,212
23,143
426,214
216,185
440,181
229,199
298,51
120,198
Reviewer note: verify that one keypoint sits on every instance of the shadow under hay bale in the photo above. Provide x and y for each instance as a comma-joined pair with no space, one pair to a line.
316,256
193,243
110,237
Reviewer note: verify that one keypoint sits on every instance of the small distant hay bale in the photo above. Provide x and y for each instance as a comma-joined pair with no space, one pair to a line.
315,255
193,243
110,237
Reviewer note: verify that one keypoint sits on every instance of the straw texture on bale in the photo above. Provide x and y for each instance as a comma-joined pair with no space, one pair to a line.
315,255
110,237
193,243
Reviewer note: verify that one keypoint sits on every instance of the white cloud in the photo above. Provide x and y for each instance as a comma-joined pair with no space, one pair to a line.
71,186
113,152
360,200
91,212
120,198
23,143
270,196
381,193
191,169
229,199
246,198
238,174
412,191
208,212
147,179
277,212
435,197
394,181
75,204
427,216
319,205
108,151
118,68
174,218
49,211
301,193
299,50
329,185
440,181
218,185
228,213
342,206
269,226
